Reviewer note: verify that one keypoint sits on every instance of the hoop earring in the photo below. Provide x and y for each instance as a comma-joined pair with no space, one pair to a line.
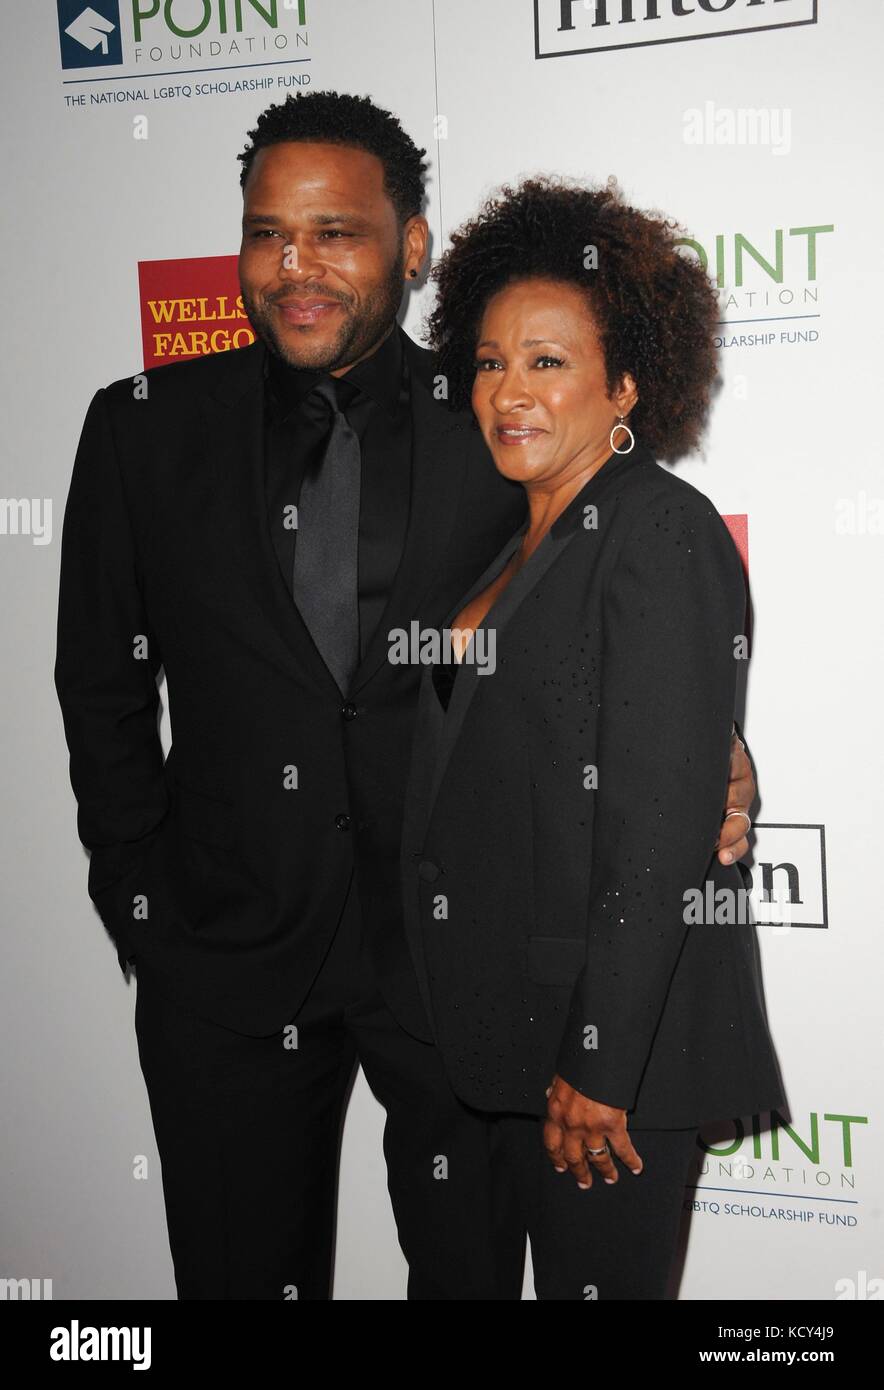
621,426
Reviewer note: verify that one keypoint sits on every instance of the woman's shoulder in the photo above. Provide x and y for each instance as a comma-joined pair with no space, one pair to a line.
663,520
652,495
650,481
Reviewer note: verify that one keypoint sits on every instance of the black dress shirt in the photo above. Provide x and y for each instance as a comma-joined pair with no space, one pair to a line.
375,399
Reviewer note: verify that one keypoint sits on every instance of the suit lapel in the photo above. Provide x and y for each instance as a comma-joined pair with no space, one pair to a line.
440,447
233,437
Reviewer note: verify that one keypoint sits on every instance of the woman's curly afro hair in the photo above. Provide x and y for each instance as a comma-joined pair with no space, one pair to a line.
655,309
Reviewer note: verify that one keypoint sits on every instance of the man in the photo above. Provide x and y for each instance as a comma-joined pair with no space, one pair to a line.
256,526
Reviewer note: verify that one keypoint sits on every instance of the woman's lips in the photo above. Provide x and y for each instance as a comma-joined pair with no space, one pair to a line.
307,310
517,434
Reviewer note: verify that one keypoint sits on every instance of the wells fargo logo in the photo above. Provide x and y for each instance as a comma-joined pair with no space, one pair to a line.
190,308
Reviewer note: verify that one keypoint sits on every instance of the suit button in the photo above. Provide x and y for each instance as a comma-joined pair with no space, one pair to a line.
342,822
428,871
349,711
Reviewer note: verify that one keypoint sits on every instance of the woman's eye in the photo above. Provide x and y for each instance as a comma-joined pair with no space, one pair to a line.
546,360
484,362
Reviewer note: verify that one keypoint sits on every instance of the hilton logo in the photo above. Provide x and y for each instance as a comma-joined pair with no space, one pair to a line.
592,26
789,876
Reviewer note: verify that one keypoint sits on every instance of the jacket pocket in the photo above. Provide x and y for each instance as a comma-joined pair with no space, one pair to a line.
554,960
205,818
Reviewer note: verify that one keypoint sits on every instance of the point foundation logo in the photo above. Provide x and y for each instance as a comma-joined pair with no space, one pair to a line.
152,37
797,1171
767,277
89,35
566,27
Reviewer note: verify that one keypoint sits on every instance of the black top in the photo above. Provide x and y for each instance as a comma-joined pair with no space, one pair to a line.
375,395
444,674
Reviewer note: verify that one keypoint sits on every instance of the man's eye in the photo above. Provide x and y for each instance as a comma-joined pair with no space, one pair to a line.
333,231
264,231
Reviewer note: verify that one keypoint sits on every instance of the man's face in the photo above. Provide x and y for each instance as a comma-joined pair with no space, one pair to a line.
322,257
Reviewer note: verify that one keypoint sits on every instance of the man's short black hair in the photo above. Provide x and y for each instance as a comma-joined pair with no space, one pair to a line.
337,118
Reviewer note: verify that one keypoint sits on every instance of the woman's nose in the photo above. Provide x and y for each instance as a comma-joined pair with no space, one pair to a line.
511,393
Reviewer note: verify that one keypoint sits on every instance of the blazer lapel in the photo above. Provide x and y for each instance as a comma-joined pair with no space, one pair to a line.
468,677
559,536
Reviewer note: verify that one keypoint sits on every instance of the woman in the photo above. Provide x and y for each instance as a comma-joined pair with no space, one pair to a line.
566,796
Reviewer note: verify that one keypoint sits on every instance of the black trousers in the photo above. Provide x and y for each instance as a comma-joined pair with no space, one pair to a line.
248,1132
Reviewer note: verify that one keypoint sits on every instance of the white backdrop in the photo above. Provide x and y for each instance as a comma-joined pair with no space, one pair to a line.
749,135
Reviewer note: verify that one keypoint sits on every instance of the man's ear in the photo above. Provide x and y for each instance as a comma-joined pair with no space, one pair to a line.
415,240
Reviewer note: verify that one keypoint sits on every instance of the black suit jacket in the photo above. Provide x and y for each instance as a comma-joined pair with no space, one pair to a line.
239,848
539,906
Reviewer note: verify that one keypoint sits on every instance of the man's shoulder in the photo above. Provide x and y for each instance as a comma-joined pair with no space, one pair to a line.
431,400
421,360
179,384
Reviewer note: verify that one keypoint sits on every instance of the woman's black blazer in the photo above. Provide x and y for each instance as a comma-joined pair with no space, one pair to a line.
563,805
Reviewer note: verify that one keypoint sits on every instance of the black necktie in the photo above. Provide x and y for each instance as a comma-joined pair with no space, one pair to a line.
325,578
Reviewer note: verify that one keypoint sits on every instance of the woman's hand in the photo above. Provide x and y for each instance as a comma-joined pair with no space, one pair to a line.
733,842
574,1124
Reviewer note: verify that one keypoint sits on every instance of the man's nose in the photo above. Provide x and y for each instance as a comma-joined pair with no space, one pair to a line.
299,261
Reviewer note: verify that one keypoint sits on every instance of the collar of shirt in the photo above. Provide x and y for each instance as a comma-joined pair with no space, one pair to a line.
378,377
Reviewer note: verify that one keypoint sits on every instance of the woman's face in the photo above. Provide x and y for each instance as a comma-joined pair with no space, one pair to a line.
540,393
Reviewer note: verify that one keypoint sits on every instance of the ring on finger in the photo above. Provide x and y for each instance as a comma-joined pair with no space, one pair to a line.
744,814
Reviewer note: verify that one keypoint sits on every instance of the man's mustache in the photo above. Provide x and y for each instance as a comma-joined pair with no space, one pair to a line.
289,298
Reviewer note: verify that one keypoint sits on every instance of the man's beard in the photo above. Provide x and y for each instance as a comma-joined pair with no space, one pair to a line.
358,332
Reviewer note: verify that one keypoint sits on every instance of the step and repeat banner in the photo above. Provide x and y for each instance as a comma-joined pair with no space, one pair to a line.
757,125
